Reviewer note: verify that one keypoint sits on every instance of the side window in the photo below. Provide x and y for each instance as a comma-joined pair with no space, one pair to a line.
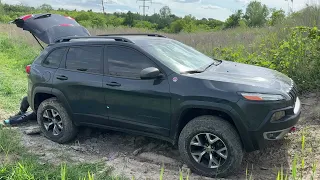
54,58
126,62
85,59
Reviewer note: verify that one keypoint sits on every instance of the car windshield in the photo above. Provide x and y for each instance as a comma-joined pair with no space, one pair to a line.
178,56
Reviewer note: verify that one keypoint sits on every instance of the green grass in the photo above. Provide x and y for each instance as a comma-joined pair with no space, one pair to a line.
14,56
15,162
18,164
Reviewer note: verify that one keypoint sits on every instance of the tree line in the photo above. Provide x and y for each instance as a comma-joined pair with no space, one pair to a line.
256,15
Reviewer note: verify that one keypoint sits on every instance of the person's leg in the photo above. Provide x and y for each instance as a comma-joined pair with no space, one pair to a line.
22,115
24,105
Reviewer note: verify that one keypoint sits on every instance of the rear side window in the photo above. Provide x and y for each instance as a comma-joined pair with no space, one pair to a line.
54,58
125,62
85,59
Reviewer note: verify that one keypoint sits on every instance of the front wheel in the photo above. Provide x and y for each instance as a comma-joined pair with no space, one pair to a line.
210,146
55,122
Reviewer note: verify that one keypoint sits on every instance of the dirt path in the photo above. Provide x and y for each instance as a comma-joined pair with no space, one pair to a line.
142,157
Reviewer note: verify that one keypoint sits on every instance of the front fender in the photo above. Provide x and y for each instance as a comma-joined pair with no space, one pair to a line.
222,107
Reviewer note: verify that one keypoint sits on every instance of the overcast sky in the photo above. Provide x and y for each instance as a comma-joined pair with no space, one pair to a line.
218,9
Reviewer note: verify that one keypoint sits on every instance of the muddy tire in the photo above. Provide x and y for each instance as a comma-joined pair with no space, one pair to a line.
210,146
55,122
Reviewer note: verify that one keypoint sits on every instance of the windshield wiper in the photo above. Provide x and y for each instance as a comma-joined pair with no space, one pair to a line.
191,72
210,65
214,63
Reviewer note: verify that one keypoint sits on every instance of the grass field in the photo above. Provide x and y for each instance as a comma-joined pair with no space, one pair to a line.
18,49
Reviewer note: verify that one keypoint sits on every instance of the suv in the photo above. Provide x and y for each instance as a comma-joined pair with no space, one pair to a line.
155,86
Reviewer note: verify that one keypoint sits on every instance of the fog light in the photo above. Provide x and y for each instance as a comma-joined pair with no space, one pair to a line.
272,136
278,115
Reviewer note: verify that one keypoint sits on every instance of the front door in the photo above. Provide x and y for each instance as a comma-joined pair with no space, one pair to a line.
80,80
134,103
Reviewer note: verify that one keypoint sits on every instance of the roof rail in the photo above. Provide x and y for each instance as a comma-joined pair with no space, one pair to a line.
135,34
65,39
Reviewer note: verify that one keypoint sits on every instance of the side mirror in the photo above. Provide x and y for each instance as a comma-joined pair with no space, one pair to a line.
150,73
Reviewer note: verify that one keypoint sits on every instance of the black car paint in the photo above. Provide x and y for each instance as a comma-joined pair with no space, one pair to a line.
154,107
50,27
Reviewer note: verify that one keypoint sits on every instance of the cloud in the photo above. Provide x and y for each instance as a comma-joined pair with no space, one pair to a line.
122,10
187,1
12,1
242,1
158,3
198,8
119,2
209,6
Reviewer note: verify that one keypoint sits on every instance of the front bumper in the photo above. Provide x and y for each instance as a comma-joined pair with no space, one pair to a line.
270,131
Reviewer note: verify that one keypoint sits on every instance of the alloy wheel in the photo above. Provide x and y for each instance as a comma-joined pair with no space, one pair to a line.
208,150
52,121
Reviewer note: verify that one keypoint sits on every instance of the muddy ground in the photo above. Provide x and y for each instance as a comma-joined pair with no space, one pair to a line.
142,157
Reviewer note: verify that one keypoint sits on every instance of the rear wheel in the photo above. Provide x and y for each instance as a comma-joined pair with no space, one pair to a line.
54,121
210,146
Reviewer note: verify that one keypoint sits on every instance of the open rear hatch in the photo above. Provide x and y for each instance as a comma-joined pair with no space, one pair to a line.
49,28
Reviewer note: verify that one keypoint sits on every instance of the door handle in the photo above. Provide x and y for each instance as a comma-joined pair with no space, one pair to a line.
62,77
113,84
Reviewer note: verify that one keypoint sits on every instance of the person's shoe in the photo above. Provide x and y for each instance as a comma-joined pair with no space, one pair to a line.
6,122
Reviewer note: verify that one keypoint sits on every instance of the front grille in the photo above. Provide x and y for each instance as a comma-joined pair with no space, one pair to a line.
293,92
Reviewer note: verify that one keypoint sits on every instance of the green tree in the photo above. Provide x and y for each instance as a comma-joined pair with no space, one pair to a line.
187,24
277,16
114,20
98,21
164,18
1,9
165,12
233,20
144,24
129,19
256,14
82,16
176,26
46,7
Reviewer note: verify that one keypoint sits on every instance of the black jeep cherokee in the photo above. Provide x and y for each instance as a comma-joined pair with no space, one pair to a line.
155,86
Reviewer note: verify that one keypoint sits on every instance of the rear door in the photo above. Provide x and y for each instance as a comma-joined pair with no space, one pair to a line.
133,103
79,78
44,68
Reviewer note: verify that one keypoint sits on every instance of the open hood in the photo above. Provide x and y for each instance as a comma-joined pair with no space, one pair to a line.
50,27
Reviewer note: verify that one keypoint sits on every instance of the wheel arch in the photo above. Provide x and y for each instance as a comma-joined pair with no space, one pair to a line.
42,93
193,109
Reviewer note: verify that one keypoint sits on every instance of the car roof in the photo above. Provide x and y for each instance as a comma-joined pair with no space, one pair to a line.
130,38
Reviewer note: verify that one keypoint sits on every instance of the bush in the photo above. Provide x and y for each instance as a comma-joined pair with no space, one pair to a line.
297,55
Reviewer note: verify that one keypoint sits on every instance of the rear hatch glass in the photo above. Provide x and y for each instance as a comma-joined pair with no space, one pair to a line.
50,27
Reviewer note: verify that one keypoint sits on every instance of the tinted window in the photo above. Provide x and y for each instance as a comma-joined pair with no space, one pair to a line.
54,58
85,59
126,62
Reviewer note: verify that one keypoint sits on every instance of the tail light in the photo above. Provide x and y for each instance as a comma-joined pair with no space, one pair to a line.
26,17
28,68
69,17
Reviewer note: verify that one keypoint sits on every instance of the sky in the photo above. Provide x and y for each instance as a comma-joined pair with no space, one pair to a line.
217,9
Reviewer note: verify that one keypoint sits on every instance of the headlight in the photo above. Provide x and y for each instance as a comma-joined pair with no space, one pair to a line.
262,97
